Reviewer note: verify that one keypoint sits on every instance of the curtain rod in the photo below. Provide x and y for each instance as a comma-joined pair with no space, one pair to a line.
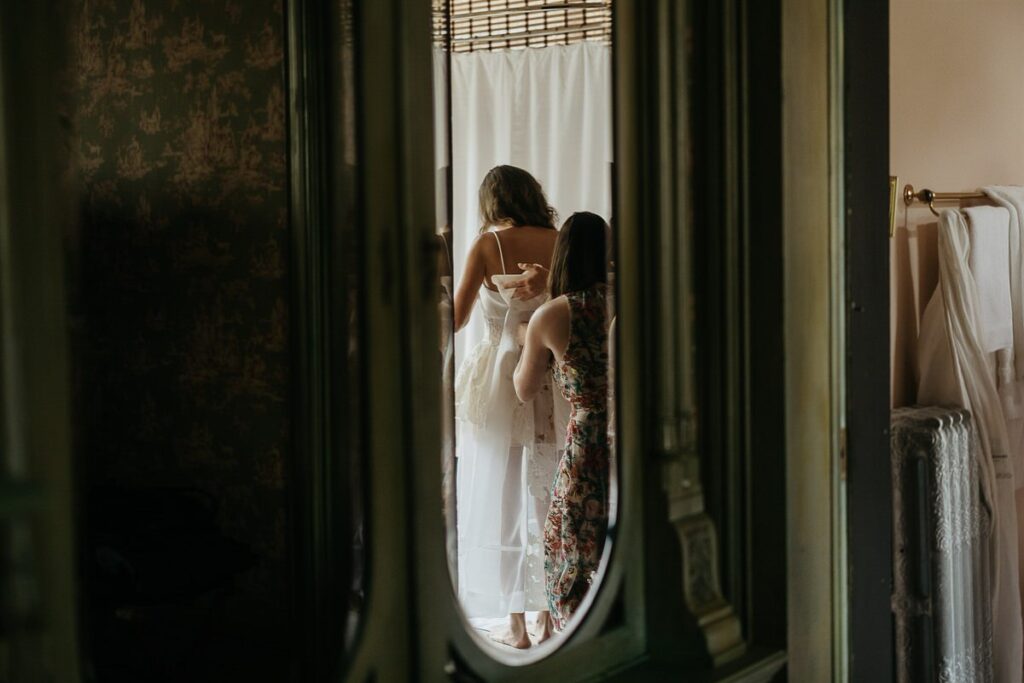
525,35
513,11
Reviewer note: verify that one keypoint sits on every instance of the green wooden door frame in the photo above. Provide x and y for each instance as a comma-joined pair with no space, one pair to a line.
813,266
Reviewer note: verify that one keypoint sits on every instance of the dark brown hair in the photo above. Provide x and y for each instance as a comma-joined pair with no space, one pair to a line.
510,194
580,259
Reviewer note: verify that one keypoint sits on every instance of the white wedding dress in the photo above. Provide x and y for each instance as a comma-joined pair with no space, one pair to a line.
507,453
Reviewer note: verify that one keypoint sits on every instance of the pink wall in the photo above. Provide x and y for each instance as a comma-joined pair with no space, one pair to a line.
957,124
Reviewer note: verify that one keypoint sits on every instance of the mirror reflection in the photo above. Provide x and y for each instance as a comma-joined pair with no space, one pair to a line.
523,120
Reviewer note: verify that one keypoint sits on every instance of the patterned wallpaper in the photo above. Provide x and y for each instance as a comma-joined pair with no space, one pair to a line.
178,267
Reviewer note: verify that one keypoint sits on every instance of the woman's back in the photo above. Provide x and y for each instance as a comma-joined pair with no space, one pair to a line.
582,372
504,250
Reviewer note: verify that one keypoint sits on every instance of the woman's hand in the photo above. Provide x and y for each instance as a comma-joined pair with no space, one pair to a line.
534,284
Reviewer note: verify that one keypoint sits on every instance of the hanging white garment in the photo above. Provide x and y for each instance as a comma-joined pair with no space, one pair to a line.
507,452
1012,199
955,369
989,262
441,120
1010,372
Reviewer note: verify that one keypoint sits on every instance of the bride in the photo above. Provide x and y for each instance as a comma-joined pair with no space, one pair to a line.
507,450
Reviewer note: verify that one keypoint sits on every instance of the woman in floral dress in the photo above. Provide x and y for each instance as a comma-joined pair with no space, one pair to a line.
568,336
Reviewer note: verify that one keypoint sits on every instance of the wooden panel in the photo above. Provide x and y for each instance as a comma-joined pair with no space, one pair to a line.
39,640
807,262
765,466
869,485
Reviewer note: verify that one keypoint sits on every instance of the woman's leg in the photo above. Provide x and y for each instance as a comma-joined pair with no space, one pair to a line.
545,627
512,571
516,635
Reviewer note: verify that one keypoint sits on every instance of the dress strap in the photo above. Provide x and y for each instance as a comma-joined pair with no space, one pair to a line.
500,255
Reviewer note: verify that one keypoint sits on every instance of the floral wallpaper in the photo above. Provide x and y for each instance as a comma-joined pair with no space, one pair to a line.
178,267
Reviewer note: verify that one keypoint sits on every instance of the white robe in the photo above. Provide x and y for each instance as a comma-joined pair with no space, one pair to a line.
955,369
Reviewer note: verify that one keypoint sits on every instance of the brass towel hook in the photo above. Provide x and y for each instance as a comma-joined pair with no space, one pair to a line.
925,196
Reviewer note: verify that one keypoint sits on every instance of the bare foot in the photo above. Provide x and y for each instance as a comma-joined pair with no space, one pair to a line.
515,635
544,628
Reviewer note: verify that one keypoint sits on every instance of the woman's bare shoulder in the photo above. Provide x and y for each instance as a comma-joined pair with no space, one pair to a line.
552,312
483,249
550,324
482,243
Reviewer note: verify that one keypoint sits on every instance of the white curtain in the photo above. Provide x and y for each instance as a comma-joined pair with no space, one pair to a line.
440,136
546,110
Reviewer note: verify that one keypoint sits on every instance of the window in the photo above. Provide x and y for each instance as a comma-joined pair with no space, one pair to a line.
479,25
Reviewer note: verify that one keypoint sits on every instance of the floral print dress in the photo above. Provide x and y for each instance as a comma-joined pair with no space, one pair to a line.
577,521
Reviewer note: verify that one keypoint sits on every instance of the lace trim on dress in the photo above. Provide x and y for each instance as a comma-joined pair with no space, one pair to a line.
472,384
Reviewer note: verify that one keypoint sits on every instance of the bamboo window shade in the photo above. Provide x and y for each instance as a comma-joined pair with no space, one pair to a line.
486,25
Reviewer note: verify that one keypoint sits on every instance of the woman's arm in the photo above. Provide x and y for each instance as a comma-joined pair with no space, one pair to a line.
534,361
469,284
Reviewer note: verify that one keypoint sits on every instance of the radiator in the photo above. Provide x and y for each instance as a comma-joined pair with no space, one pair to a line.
941,560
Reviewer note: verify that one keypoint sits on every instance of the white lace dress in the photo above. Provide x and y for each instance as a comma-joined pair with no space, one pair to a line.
507,453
